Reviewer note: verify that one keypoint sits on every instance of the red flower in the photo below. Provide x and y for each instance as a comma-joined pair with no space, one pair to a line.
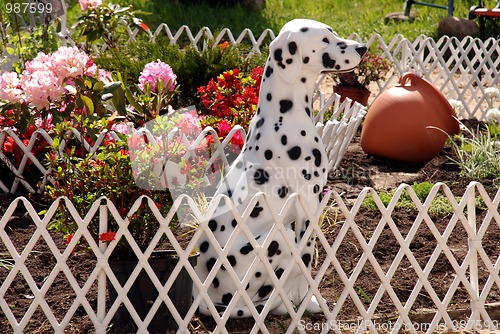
107,236
224,127
69,238
237,139
8,145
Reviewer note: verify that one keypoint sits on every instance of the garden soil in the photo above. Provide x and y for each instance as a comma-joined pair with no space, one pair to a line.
356,171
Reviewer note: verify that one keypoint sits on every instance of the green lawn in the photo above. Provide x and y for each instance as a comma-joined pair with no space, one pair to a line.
345,16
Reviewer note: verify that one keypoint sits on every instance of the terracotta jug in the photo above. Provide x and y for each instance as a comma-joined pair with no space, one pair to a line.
409,122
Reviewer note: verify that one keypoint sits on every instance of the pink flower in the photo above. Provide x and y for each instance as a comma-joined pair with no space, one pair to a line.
89,4
224,127
102,75
10,88
41,62
189,124
41,88
120,128
157,71
69,62
44,124
237,139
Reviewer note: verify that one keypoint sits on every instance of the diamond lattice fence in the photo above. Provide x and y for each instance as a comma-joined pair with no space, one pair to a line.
436,271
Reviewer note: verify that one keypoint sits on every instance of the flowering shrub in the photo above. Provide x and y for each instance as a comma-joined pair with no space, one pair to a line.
372,67
229,100
157,71
64,85
54,87
85,179
105,22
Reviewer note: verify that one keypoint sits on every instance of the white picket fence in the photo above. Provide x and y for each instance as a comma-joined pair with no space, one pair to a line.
475,269
336,133
460,69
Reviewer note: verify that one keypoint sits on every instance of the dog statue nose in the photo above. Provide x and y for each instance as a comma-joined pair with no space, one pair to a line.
361,50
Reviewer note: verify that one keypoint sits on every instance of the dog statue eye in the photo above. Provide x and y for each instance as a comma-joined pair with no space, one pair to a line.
326,40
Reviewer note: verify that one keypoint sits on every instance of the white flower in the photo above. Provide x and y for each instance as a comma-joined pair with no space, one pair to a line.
491,92
493,115
456,105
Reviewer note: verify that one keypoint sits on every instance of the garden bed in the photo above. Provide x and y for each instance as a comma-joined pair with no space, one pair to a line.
357,171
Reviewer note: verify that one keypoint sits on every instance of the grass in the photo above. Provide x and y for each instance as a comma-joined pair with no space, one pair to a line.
440,205
478,153
345,16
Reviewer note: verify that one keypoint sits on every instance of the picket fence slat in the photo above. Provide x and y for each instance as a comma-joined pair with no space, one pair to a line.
465,270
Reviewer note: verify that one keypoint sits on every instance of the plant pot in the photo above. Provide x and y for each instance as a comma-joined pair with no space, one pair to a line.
143,293
356,94
409,122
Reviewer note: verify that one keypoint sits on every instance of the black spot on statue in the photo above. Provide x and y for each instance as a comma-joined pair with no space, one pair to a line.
246,249
282,192
268,154
256,211
212,224
292,47
265,290
279,272
259,123
294,152
306,258
227,298
317,157
269,71
210,263
327,61
220,308
278,55
204,246
261,176
285,106
273,248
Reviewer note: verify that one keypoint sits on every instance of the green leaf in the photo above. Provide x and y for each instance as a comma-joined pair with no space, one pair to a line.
98,86
88,104
132,101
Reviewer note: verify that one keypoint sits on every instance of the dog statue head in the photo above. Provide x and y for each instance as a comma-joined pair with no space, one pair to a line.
311,46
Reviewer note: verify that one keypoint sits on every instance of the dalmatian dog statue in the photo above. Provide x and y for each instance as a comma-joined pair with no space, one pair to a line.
283,154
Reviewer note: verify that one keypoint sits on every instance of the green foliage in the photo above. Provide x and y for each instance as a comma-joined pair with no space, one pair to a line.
27,44
106,24
478,153
85,177
345,16
440,205
193,68
421,189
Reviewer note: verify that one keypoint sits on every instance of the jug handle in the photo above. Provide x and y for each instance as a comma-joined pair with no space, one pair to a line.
409,76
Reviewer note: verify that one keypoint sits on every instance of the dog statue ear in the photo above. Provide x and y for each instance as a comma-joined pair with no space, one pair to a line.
285,55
